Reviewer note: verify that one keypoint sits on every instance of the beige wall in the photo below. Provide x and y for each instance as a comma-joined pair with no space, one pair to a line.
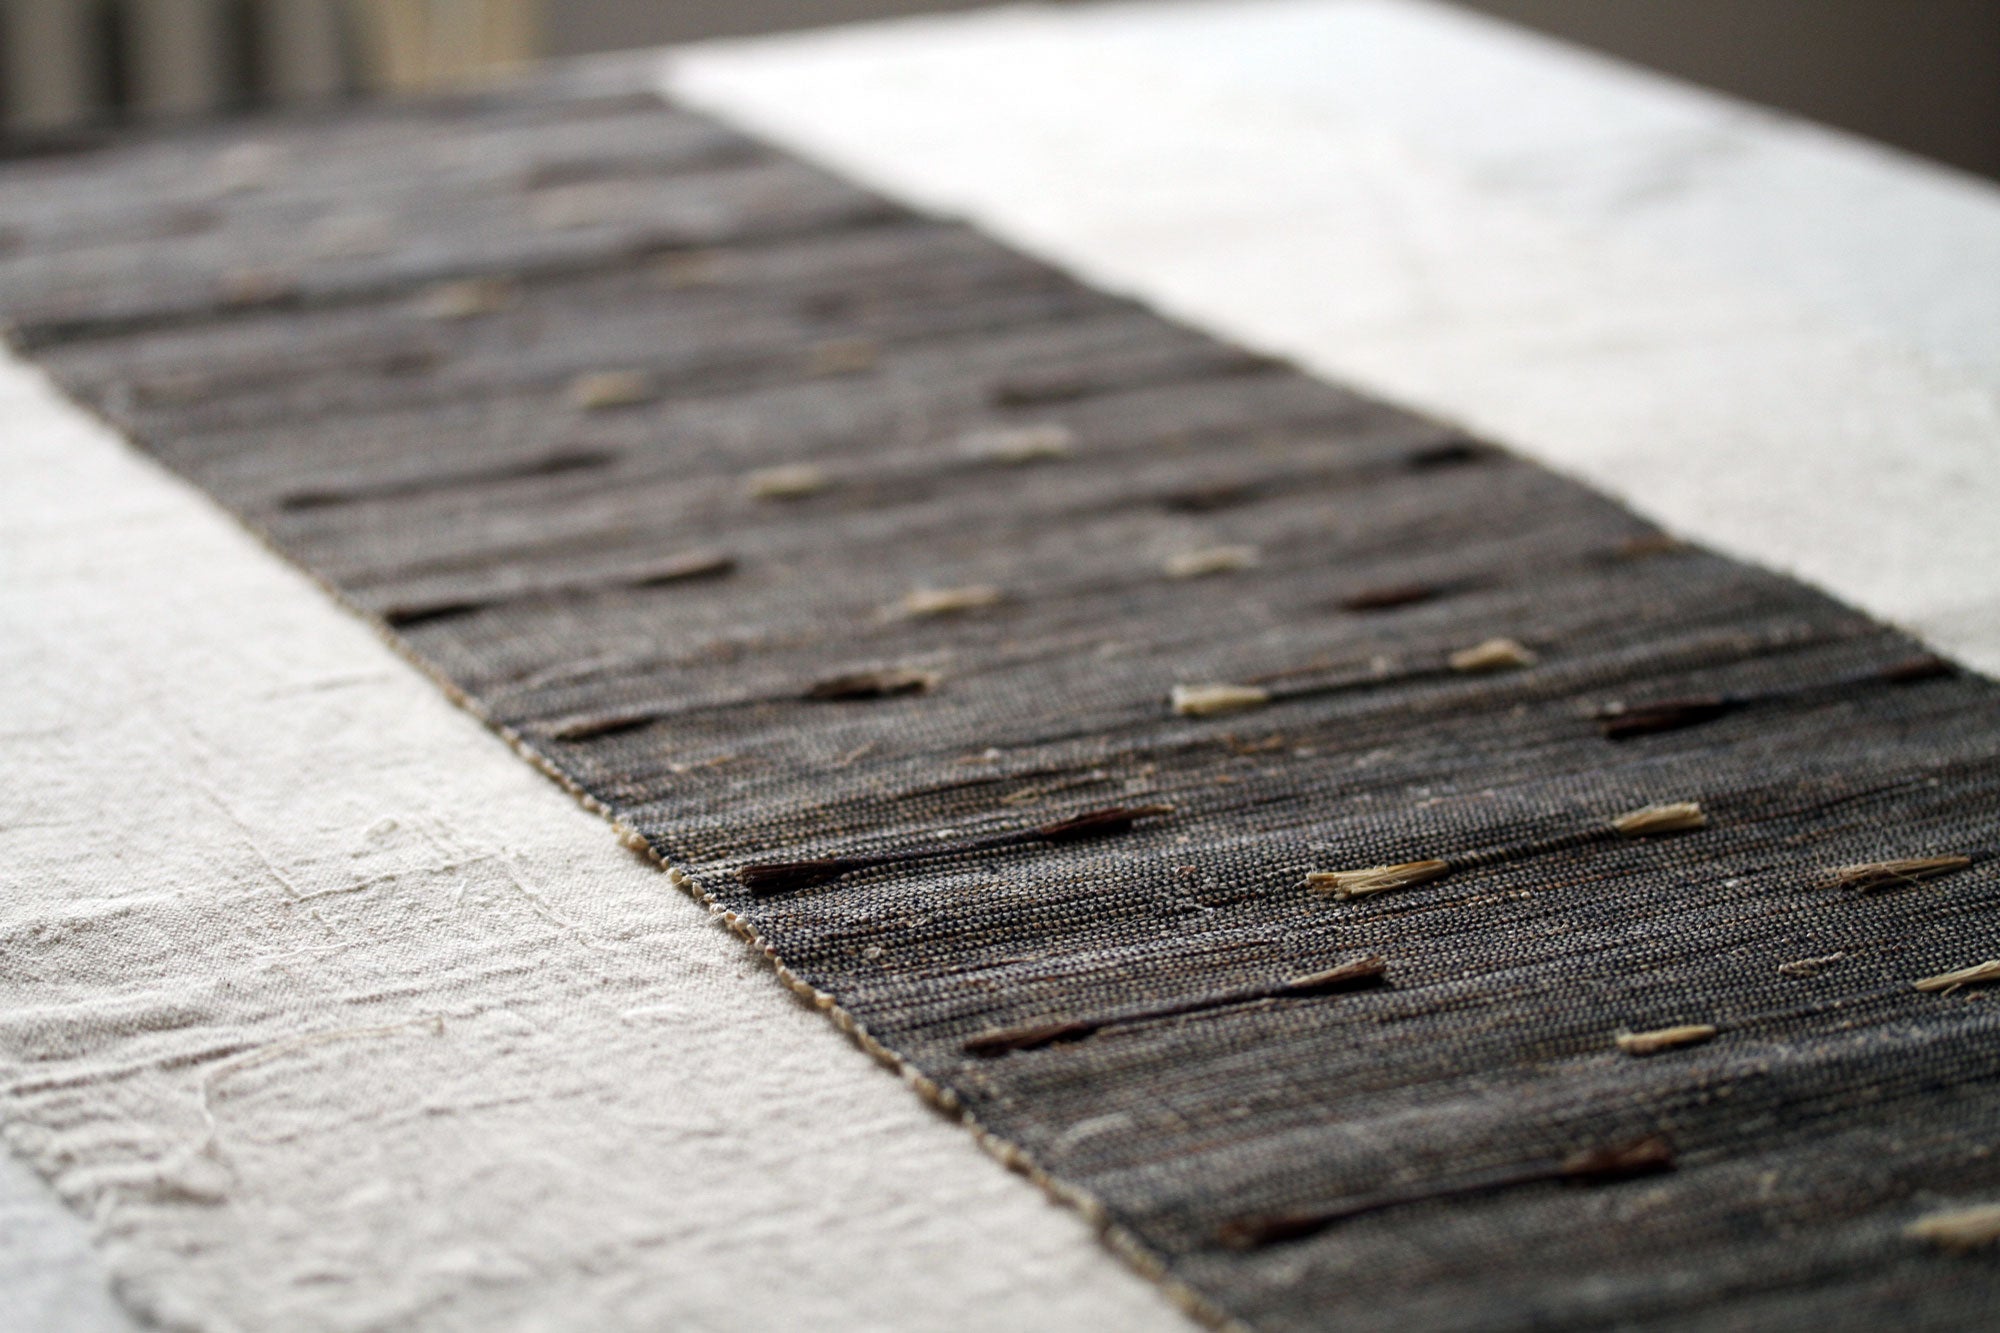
1921,74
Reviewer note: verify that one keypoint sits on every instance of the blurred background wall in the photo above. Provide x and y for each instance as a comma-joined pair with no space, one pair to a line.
1921,74
64,62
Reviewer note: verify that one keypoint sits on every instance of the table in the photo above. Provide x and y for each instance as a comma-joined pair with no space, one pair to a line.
1770,337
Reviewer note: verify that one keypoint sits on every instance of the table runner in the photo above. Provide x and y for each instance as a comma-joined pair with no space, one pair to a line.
320,1011
795,528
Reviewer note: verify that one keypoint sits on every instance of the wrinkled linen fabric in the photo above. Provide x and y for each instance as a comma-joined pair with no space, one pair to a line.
52,1279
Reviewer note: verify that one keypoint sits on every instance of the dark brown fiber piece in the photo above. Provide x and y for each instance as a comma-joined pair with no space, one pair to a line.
858,583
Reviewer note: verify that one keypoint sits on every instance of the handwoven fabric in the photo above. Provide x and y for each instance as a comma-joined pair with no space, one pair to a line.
321,1011
791,528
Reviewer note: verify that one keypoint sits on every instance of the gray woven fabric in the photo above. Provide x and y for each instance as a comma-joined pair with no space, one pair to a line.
793,528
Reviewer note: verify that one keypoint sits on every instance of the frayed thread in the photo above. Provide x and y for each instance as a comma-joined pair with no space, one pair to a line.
1810,967
921,603
1389,597
1353,975
602,390
1207,560
1019,446
787,876
1958,1229
1666,1039
1622,721
790,481
1946,982
1209,700
685,567
1654,820
1492,655
1646,822
1376,879
1604,1165
885,684
466,298
1881,874
843,356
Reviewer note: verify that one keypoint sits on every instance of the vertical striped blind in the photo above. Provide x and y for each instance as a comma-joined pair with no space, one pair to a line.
69,62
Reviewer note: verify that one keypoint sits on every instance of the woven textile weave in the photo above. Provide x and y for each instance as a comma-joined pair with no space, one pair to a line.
1036,680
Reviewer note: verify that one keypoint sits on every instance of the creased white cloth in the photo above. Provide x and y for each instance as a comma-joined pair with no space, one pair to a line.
51,1278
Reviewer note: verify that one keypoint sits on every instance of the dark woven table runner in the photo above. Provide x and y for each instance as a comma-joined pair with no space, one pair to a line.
1390,884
